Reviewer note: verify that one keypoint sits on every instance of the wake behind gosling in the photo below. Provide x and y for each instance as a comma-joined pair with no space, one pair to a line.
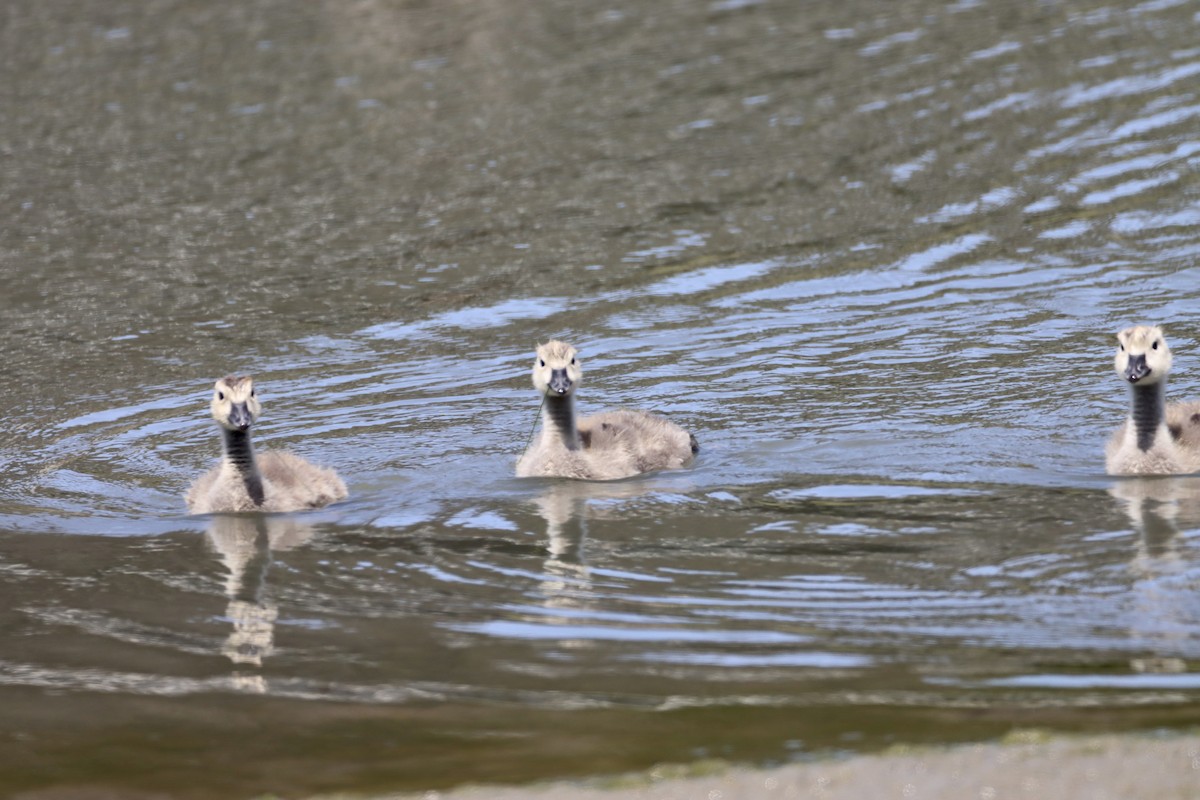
1156,438
247,481
606,446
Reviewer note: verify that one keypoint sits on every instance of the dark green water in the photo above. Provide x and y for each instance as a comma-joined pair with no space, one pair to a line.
871,254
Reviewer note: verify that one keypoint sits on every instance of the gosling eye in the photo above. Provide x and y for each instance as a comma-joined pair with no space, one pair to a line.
220,395
541,362
1122,347
572,359
252,393
1155,345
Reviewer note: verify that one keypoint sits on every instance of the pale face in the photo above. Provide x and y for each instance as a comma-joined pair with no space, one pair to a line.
1142,355
235,404
556,369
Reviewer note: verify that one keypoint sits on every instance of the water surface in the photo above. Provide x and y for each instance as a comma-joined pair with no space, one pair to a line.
871,255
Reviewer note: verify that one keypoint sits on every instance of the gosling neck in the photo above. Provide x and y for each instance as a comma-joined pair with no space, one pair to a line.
239,454
1148,411
558,419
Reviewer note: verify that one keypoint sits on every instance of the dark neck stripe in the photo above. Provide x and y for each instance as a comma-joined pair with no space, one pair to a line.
239,452
559,416
1147,413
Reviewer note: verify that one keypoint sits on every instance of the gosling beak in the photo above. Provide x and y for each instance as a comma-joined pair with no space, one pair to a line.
239,416
1136,369
559,382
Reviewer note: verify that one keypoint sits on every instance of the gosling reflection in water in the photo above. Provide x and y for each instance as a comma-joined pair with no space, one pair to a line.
563,510
567,508
567,582
1166,586
245,544
1159,509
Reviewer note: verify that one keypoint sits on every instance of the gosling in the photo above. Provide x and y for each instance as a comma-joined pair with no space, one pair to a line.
1156,438
242,481
615,444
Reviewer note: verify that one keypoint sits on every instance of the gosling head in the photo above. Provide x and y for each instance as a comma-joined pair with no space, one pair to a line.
556,370
235,405
1143,357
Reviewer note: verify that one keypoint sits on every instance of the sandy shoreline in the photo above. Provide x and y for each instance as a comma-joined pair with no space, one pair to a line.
1120,767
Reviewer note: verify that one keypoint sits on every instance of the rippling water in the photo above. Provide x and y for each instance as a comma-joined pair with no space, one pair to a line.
872,256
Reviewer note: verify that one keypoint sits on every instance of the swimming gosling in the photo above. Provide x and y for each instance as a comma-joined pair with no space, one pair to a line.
273,481
615,444
1156,438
